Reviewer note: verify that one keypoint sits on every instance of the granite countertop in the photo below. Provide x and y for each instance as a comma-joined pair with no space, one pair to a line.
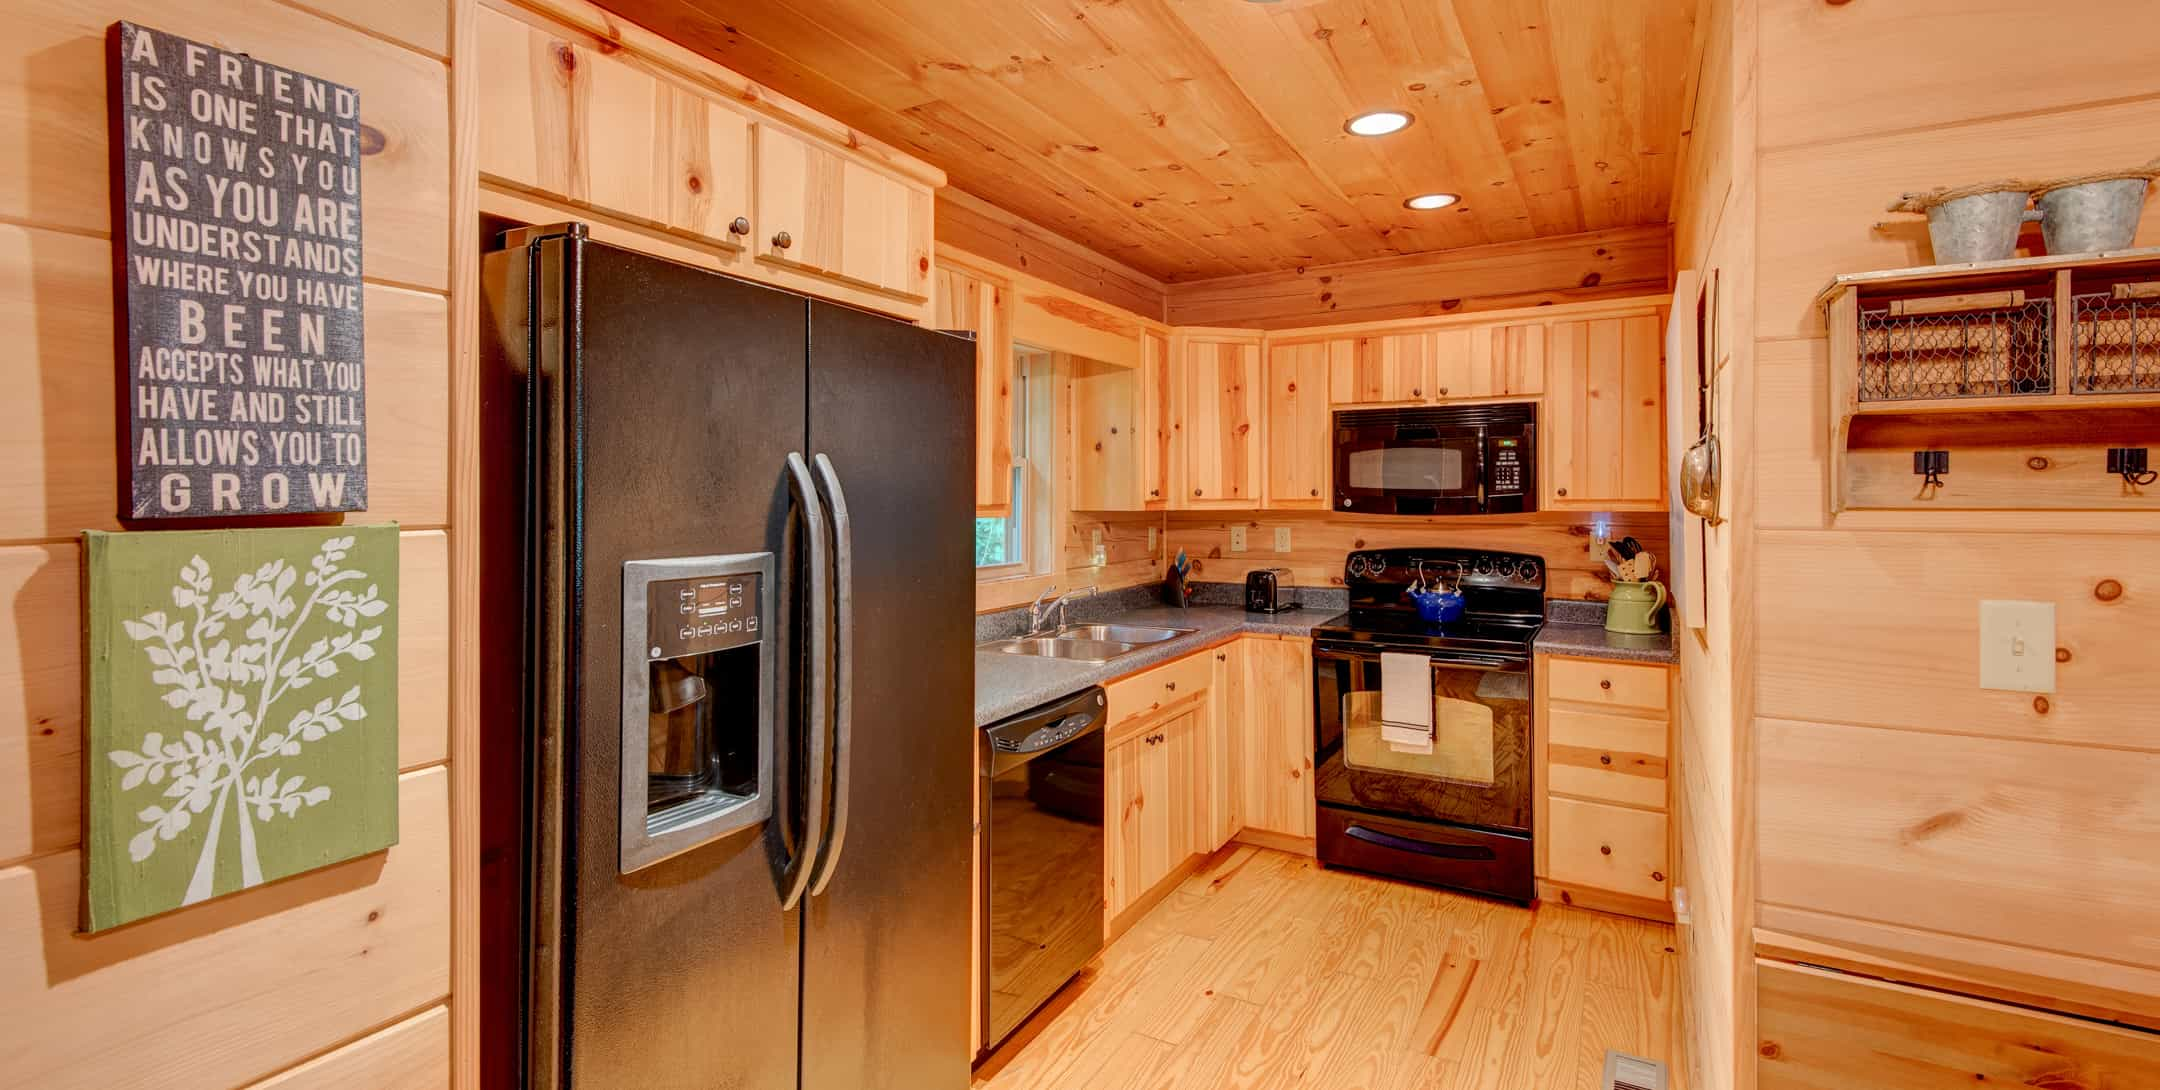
1009,684
1578,628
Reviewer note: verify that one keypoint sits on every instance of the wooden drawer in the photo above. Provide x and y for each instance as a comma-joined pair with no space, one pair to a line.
1143,694
1616,758
1617,684
1607,847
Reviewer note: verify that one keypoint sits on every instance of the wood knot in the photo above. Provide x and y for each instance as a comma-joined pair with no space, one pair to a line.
372,140
565,57
922,264
1769,1050
2107,590
374,915
2037,463
695,184
1593,280
2041,705
1934,826
2062,654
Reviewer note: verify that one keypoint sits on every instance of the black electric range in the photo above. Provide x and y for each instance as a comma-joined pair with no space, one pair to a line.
1450,806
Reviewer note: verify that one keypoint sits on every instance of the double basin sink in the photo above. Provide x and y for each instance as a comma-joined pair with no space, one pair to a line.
1090,643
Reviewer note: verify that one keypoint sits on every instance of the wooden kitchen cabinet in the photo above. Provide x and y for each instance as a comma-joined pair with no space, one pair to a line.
822,211
1493,362
1298,445
1158,394
1603,783
566,119
1217,421
975,301
1604,416
1382,368
1274,761
1155,782
709,187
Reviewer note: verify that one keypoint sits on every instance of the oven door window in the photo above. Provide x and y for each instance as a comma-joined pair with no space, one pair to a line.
1474,769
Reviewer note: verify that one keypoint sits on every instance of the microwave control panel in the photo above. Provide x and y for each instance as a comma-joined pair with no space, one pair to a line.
700,614
1504,465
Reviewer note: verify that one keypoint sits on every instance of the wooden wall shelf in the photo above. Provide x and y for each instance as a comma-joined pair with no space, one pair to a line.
2027,371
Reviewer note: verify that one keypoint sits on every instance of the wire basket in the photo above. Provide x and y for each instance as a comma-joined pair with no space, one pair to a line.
1980,353
2115,344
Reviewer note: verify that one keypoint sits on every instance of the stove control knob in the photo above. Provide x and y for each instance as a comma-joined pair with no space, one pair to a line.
1527,570
1482,565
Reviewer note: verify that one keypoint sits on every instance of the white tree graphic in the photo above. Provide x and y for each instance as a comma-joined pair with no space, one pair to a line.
229,693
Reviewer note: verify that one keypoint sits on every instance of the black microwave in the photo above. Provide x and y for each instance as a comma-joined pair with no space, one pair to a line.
1445,460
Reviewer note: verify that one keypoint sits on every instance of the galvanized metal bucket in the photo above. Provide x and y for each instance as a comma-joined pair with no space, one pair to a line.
1981,227
2092,216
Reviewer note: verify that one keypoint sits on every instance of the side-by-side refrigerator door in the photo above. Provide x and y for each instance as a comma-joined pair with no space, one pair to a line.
672,409
886,924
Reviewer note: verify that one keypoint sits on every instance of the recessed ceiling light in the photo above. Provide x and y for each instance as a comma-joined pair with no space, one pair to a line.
1378,123
1426,202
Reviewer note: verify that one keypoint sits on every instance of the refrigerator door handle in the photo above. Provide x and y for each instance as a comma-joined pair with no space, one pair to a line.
795,876
843,717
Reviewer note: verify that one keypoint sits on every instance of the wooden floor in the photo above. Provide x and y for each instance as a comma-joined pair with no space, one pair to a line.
1264,971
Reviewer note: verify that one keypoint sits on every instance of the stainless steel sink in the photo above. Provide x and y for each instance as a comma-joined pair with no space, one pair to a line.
1058,647
1119,633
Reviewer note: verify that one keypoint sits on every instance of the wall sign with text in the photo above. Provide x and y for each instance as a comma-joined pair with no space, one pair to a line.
236,242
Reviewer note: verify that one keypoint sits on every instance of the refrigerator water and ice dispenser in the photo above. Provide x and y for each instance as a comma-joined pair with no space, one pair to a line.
698,702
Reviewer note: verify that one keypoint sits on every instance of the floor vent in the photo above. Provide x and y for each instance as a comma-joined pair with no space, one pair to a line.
1625,1072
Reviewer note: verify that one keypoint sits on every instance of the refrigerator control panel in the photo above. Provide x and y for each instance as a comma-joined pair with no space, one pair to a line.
696,615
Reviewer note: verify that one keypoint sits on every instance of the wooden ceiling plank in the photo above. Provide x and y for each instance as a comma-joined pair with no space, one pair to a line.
1623,130
1511,46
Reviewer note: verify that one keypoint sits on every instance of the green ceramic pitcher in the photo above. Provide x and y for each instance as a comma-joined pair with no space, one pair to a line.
1634,607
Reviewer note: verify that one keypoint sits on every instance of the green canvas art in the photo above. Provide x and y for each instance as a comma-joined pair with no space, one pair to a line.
241,702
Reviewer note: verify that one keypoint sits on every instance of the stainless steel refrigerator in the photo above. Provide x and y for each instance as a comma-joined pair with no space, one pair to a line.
727,621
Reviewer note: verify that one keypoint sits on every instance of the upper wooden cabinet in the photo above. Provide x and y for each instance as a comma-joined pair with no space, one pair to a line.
1604,417
1217,421
1493,361
636,142
1381,369
1157,393
825,212
982,304
1297,425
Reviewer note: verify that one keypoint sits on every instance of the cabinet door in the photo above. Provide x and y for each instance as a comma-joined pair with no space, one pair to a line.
1297,425
1229,701
979,304
1604,419
1188,761
709,189
822,212
1136,788
1218,423
1279,735
1383,369
569,121
1494,361
1157,395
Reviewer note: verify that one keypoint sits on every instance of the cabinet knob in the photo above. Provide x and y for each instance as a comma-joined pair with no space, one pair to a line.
1154,491
1560,492
1657,876
739,226
783,240
1219,657
1196,492
1443,391
1604,849
1170,685
1315,491
1415,392
1604,683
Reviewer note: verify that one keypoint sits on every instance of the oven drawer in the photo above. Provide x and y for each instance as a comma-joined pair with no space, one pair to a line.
1607,847
1141,695
1614,758
1444,855
1608,683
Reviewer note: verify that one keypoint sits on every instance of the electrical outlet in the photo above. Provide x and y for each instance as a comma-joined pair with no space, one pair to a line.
1282,539
1151,532
2017,646
1095,546
1237,539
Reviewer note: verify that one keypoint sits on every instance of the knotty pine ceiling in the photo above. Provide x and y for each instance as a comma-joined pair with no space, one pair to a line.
1202,138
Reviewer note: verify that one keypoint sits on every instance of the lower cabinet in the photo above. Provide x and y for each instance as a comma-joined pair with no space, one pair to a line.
1156,782
1275,764
1603,830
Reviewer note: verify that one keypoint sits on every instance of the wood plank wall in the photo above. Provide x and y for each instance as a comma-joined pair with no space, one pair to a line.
1713,235
336,978
2009,842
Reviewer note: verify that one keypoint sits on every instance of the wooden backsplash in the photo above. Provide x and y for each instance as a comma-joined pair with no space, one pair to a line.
1319,543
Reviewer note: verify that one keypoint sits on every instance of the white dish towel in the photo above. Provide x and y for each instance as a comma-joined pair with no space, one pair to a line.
1406,720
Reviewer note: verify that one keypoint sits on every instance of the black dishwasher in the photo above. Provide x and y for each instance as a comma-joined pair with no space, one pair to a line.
1042,845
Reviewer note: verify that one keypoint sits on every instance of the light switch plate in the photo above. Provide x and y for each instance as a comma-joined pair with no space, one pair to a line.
1237,539
1282,539
2017,646
1151,532
1095,546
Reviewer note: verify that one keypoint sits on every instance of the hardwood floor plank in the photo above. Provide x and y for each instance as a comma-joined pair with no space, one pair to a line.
1264,971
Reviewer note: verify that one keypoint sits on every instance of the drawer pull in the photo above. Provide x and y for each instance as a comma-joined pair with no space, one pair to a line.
1604,683
1657,876
740,226
1170,685
1604,849
783,240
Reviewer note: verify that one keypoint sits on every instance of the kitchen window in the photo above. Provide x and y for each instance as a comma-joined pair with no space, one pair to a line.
1001,542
